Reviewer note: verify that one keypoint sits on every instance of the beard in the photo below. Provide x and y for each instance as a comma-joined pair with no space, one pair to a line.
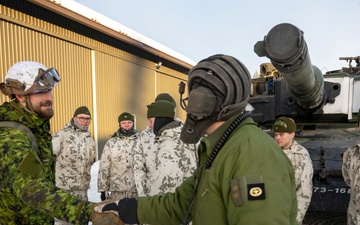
83,128
47,112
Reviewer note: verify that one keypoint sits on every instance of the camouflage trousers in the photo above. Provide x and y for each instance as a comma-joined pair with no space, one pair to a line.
353,217
79,193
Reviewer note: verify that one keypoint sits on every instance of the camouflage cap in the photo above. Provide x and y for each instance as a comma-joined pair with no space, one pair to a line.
284,124
125,116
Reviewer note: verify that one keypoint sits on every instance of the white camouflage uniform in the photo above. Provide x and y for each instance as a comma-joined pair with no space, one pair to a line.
168,161
115,170
303,170
144,159
75,154
351,174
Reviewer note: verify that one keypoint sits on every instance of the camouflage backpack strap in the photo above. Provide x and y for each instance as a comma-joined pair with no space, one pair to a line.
25,130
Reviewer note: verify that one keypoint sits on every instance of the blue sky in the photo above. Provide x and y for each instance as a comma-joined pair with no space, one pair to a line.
199,28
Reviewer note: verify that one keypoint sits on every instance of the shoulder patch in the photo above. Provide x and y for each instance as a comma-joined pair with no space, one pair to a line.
31,166
247,188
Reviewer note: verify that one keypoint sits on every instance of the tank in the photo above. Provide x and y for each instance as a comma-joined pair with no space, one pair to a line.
324,107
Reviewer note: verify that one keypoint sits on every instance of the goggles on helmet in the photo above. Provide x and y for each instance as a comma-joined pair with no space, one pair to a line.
46,80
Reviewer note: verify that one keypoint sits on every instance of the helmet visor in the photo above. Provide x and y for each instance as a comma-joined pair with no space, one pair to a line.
46,80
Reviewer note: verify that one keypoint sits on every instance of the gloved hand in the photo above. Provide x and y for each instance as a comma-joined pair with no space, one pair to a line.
107,206
102,196
98,217
126,209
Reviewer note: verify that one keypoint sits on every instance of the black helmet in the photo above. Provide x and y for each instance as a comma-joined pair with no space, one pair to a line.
219,88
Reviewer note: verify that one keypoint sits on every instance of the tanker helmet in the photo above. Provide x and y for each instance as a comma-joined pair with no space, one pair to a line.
29,77
218,89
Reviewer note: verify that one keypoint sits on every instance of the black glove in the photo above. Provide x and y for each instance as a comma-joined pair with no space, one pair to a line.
110,207
127,209
102,196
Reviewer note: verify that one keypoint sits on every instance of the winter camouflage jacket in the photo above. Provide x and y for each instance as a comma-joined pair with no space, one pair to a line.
303,169
115,170
350,171
30,195
75,153
144,159
249,182
174,160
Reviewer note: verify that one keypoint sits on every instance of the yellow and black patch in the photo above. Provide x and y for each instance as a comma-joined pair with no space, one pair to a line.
256,191
247,188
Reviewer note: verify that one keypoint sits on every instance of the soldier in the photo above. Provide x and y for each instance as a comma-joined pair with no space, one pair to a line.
144,154
284,131
350,171
174,160
242,177
115,170
75,153
27,191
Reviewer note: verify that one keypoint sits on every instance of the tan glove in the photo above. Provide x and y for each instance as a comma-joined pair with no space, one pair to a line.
97,217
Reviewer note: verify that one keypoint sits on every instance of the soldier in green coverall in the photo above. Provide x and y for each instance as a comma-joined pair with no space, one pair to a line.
243,176
27,185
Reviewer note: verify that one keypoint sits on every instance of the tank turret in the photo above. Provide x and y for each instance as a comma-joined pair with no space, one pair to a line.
323,106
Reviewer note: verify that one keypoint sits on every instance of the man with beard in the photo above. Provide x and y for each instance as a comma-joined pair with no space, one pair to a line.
27,180
75,153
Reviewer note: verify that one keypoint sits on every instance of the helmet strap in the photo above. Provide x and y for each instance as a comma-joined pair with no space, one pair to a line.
28,104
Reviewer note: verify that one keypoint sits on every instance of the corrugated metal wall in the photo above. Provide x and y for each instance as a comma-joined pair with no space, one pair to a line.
73,63
106,79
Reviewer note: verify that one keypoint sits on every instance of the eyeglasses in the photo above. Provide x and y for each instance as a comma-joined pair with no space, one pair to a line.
83,119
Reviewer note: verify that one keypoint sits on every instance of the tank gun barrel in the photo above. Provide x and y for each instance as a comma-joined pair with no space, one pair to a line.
286,48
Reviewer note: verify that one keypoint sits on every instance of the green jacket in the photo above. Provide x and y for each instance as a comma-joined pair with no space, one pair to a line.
30,195
251,181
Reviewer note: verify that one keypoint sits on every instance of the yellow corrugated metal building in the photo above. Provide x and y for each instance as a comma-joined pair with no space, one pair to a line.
102,68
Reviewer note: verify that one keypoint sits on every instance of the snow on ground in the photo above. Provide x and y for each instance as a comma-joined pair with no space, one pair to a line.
93,194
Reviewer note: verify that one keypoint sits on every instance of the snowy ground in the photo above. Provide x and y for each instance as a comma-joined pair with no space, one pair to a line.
93,194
